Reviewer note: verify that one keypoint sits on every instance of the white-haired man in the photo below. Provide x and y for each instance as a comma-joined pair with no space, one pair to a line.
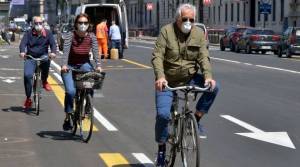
180,51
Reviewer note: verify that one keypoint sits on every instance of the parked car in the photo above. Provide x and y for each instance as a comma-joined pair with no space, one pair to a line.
290,42
60,36
230,38
258,40
203,28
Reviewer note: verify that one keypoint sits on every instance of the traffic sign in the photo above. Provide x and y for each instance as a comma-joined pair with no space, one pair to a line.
265,8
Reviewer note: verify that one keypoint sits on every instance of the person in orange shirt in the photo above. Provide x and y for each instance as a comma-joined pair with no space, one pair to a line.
102,37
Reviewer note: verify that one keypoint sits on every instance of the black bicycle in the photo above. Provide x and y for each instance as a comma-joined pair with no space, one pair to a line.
183,129
83,115
37,83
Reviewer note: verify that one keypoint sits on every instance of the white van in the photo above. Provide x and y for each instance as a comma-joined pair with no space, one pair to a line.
109,11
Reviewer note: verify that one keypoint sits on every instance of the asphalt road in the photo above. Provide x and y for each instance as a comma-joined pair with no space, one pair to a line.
259,94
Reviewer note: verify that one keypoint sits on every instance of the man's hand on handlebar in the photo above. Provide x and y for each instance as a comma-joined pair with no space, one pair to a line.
159,84
211,83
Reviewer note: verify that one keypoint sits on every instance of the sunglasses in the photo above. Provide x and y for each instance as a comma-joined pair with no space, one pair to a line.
83,22
38,23
184,19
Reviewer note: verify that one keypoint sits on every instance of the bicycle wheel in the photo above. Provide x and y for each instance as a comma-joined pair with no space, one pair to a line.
173,138
75,115
190,143
86,118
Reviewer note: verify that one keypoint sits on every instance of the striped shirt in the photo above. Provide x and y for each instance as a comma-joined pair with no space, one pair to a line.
76,49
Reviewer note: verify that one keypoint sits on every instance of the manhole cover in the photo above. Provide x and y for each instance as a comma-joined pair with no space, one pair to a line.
12,140
14,153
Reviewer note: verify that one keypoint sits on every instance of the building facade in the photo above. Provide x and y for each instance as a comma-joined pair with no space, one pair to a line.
151,15
224,13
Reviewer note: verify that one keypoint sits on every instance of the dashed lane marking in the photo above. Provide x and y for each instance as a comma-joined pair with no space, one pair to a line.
136,63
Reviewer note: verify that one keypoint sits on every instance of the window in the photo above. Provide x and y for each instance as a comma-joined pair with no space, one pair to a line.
244,14
135,14
214,14
226,12
258,16
231,12
238,12
274,10
146,13
219,13
150,16
168,5
209,12
281,10
164,9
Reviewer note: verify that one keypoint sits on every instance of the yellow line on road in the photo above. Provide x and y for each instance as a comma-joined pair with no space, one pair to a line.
136,63
114,159
60,95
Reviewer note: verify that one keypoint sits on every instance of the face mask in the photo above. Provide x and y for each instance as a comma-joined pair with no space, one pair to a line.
38,27
186,27
83,27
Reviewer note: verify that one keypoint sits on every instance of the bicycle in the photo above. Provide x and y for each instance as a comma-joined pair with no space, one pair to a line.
83,115
37,83
183,129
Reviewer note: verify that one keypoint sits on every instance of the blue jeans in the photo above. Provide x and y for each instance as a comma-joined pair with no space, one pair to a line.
69,84
29,69
117,44
164,103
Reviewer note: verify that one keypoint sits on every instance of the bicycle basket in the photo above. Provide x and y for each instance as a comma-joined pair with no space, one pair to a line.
91,82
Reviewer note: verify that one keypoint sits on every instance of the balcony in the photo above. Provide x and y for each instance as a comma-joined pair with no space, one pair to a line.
4,6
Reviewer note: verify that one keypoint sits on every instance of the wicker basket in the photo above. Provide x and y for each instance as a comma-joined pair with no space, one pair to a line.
89,83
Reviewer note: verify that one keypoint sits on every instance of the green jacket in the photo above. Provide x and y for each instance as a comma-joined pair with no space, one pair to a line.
177,57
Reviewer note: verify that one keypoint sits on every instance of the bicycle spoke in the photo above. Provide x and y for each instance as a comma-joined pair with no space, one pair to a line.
86,119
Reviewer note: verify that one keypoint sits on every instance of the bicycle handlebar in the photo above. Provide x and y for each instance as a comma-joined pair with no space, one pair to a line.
37,59
188,87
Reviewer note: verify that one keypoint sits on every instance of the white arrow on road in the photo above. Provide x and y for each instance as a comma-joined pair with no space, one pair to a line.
4,56
278,138
8,80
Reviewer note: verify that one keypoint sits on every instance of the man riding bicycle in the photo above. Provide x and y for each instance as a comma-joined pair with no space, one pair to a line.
36,42
180,51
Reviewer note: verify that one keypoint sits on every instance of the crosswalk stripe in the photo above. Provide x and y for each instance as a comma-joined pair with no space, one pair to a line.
60,94
114,159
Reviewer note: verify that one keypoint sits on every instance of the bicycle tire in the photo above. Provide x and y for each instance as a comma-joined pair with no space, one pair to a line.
86,118
190,142
37,94
173,139
75,116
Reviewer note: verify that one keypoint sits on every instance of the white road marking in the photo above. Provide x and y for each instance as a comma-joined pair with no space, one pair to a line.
248,64
278,138
143,159
104,121
10,77
9,81
3,50
231,61
139,46
10,69
97,114
279,69
5,56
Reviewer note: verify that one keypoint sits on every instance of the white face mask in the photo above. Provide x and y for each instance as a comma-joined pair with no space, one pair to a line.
186,27
38,27
83,27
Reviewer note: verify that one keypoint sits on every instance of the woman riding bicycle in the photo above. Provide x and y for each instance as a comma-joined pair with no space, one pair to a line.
77,46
